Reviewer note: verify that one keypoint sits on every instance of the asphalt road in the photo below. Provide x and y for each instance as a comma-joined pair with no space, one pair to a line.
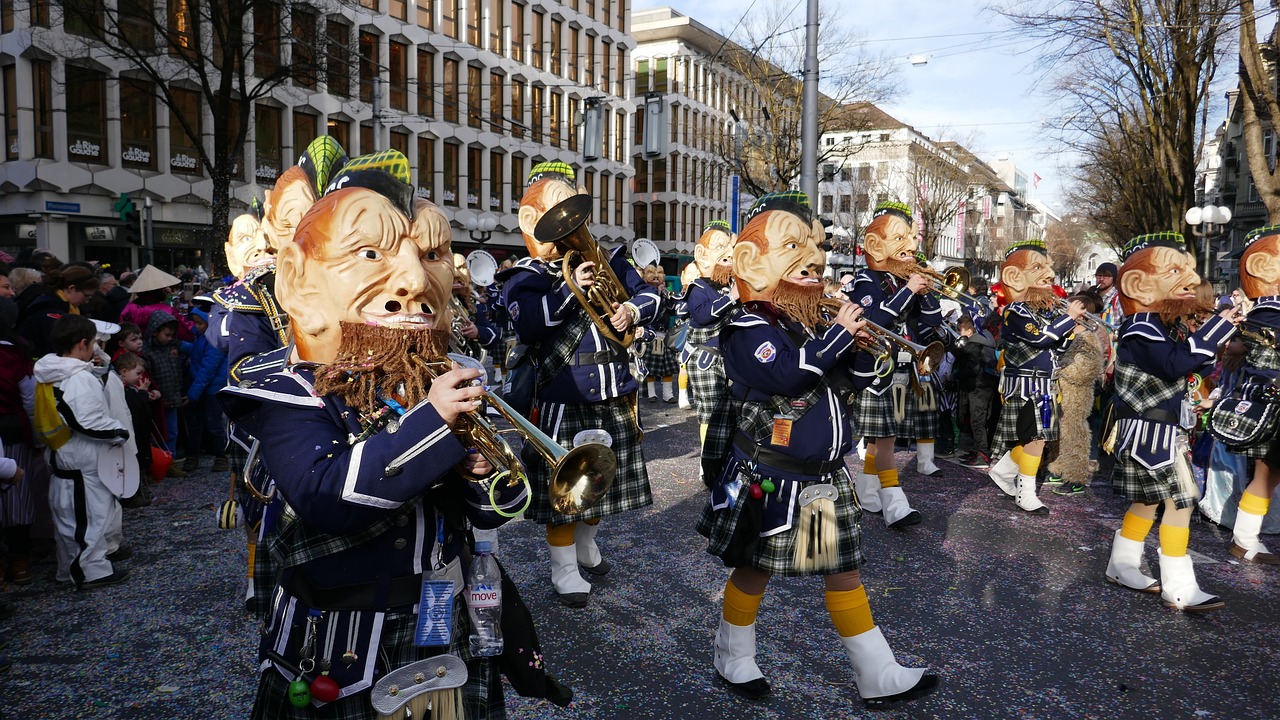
1010,609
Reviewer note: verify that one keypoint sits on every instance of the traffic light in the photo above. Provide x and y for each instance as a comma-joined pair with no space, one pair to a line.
131,232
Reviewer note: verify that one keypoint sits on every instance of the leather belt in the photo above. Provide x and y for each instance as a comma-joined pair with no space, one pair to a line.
402,592
1019,373
785,463
1159,415
601,357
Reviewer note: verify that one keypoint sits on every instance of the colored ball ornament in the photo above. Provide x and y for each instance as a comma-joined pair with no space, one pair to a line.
325,689
299,695
768,486
755,492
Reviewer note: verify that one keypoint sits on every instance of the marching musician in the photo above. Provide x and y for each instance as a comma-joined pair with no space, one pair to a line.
889,301
246,323
476,330
657,358
1260,281
583,380
359,445
784,503
1035,335
709,302
1152,408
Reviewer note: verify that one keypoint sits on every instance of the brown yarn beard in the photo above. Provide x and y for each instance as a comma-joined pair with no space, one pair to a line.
721,274
801,303
1041,299
374,360
901,268
1172,310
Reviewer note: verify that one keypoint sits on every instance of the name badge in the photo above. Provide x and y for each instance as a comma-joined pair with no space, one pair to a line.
435,614
781,432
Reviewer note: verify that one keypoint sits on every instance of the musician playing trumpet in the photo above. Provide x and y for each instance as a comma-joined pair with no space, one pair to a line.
784,503
891,293
1035,335
584,380
358,441
710,301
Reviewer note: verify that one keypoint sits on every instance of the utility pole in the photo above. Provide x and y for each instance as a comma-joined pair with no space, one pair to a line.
148,244
809,129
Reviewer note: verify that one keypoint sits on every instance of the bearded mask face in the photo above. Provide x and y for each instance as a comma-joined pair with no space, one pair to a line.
246,246
538,199
1155,279
889,241
713,254
1026,274
357,259
779,260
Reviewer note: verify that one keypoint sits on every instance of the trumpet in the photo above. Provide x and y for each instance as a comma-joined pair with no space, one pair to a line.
925,358
458,342
951,283
1090,321
566,225
579,477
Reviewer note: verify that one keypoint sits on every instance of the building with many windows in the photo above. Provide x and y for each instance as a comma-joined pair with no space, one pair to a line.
473,92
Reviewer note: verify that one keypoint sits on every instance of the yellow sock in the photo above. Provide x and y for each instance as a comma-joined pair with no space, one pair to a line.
869,464
592,521
850,611
1016,454
1174,540
924,441
1254,505
667,378
1028,464
888,478
1135,528
740,608
702,433
560,535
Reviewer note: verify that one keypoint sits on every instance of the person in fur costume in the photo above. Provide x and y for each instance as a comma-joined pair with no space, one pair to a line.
1082,365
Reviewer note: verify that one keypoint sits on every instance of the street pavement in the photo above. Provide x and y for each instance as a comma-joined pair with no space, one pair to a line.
1010,609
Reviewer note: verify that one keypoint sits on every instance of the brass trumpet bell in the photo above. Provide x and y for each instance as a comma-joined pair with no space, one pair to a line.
581,476
565,224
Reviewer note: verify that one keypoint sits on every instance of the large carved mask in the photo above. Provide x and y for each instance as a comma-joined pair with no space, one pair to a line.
246,246
1158,275
889,242
1027,272
713,253
778,257
549,184
1260,263
297,189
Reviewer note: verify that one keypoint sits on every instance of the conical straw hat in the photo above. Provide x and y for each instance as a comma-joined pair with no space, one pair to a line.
153,278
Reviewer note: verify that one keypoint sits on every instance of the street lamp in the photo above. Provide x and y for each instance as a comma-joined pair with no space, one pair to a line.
480,228
1205,222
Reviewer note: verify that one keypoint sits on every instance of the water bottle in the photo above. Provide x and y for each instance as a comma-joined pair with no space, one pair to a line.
484,602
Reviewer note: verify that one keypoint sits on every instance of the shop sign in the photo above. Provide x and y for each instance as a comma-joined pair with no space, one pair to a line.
26,232
100,233
183,161
85,148
136,155
61,207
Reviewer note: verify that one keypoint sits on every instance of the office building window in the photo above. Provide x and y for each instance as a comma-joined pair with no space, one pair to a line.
517,32
86,115
496,162
268,136
398,9
426,83
181,25
660,175
450,90
606,12
475,102
535,104
557,107
575,38
622,15
660,75
517,108
603,217
619,186
517,181
589,62
640,220
449,18
495,26
369,5
82,17
451,152
398,69
475,169
641,184
425,15
535,38
340,130
473,23
6,16
589,184
40,13
658,229
304,131
266,44
618,72
369,62
620,136
303,33
137,22
367,142
8,75
137,124
233,131
557,59
495,102
426,167
337,62
185,130
400,142
606,62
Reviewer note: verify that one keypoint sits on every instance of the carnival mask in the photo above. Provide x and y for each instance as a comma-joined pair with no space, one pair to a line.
1260,267
889,239
1156,277
713,254
1026,273
246,246
540,197
778,259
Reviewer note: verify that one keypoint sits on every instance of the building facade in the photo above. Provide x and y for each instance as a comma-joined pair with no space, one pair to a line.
473,92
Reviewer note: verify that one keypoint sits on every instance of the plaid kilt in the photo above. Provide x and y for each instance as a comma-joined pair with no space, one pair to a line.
775,554
561,422
917,422
659,360
1006,435
709,385
1140,484
874,414
481,695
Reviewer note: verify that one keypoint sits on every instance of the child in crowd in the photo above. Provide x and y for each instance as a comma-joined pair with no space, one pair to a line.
129,339
165,363
975,376
84,509
204,415
132,370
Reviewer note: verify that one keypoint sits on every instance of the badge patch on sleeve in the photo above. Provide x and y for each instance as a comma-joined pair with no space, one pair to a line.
766,352
866,301
514,310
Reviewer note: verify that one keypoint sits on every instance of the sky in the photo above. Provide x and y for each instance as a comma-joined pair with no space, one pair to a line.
979,82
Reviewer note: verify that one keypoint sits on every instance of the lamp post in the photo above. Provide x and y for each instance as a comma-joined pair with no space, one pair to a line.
480,228
1205,222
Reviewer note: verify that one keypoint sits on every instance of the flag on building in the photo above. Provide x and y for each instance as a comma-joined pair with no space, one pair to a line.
1035,181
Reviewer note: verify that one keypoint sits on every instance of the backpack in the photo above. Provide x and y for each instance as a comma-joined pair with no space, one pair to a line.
49,427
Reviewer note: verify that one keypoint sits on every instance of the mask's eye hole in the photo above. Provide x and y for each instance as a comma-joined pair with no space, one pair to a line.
370,254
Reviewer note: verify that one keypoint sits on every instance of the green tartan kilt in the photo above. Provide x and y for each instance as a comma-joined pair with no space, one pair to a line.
562,422
659,360
1138,483
874,414
481,695
918,422
775,554
1007,435
709,385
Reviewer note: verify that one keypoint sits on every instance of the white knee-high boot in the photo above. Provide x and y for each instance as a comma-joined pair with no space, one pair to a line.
882,682
735,659
584,539
1005,474
867,486
1179,588
1027,498
1245,543
898,512
652,387
924,459
570,587
1125,569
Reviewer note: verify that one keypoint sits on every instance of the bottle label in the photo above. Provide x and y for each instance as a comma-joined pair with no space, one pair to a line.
483,596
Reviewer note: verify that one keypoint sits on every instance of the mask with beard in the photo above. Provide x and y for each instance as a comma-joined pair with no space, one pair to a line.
722,274
801,303
373,360
1041,299
901,268
1171,310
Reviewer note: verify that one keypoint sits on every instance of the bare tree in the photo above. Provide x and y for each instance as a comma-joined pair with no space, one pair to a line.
230,53
940,182
1258,104
766,153
1067,240
1135,72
